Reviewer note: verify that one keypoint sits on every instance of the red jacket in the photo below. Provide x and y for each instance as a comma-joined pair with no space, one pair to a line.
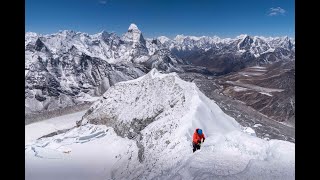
197,137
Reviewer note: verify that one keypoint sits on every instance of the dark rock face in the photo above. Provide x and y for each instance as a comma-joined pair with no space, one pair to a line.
39,46
245,44
163,60
221,63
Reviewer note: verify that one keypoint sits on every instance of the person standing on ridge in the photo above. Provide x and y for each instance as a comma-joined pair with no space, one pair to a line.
198,135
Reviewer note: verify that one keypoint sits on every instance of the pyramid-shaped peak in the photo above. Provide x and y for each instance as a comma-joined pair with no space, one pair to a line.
133,27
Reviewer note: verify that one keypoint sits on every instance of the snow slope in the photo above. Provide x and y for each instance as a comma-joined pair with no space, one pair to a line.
36,130
149,126
84,153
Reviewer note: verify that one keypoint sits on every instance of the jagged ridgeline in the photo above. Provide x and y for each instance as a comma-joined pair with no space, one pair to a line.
69,69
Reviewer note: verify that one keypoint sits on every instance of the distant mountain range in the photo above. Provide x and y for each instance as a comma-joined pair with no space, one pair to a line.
69,68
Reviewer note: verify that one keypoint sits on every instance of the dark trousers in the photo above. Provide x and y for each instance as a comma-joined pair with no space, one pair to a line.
195,146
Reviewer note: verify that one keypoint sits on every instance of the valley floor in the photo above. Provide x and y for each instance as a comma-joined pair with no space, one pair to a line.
264,127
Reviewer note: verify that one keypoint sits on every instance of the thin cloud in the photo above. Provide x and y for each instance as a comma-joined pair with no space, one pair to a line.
103,2
276,11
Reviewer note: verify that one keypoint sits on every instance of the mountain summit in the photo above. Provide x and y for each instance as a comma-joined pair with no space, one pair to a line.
134,35
142,129
133,27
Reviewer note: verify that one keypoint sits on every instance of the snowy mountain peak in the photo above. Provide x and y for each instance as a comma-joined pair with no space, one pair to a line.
133,27
163,39
104,32
30,37
242,36
67,32
245,42
134,35
28,34
104,35
179,38
195,38
286,38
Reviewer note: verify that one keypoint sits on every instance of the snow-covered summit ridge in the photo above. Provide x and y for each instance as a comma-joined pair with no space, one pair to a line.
148,135
156,96
160,113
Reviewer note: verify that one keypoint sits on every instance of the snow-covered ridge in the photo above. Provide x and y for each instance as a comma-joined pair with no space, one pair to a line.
149,126
217,39
155,116
132,44
256,45
163,39
130,47
107,46
160,112
152,96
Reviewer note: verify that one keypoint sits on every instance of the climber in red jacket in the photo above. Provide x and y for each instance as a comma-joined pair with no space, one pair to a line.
198,135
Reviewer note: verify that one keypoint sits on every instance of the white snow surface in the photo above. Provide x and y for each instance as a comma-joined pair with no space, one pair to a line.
239,89
36,130
88,152
133,27
149,123
163,39
265,93
249,130
257,125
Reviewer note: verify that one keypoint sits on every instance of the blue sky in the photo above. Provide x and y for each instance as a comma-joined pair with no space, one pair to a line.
224,18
